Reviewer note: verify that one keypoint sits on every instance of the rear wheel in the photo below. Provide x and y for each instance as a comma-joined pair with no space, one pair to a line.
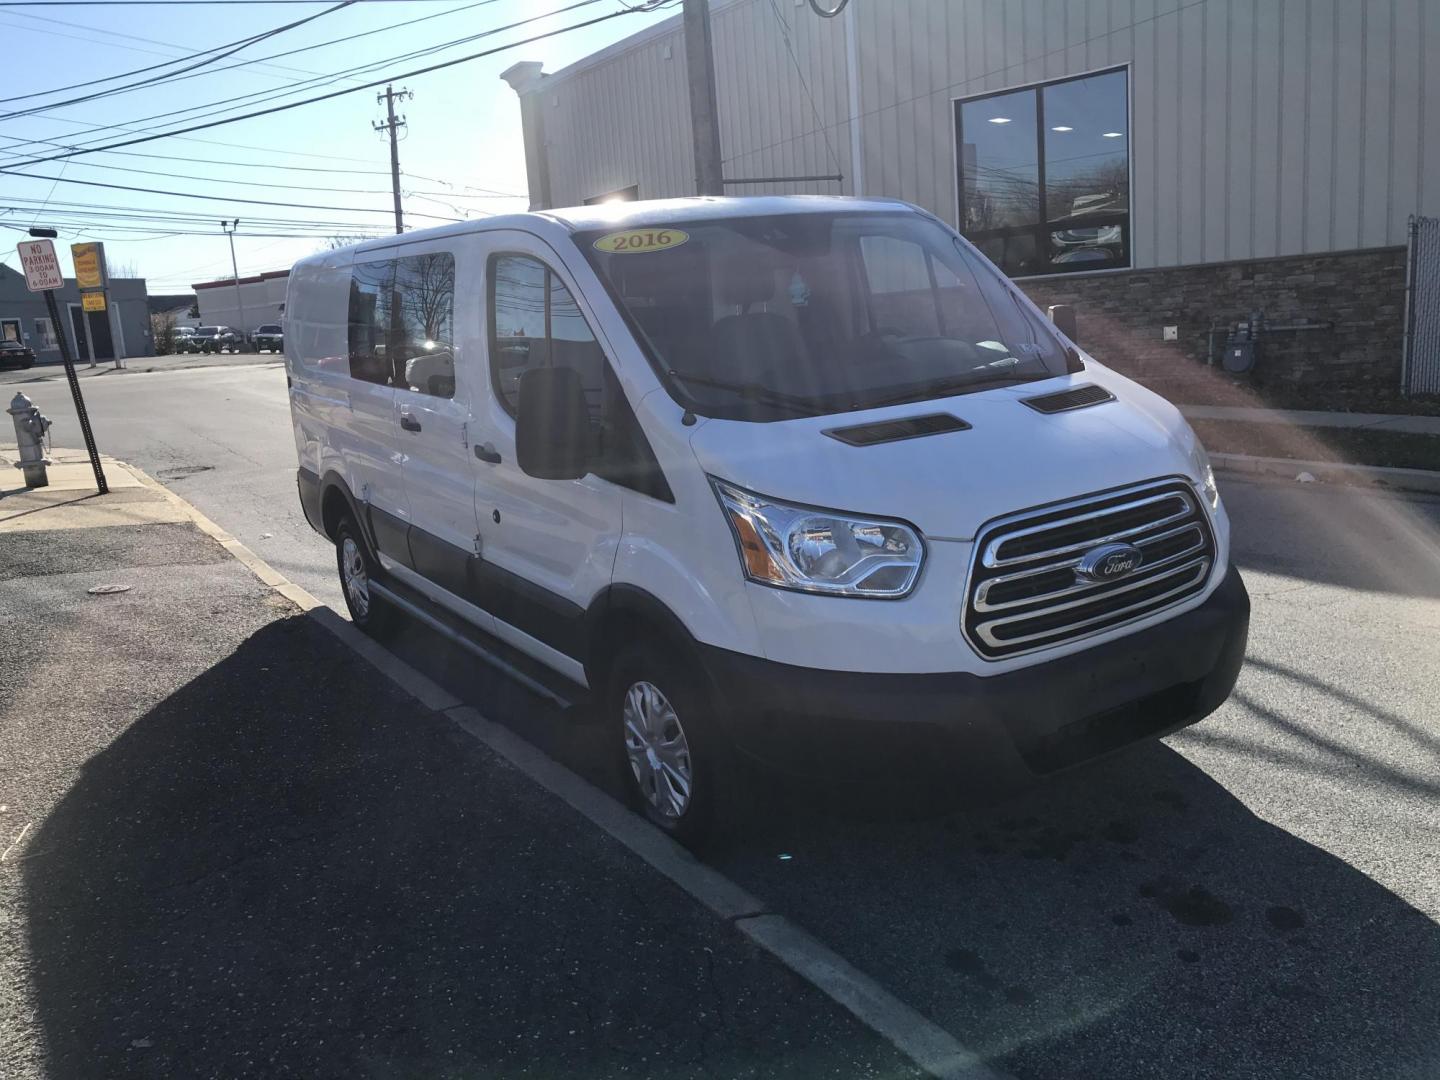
678,767
357,571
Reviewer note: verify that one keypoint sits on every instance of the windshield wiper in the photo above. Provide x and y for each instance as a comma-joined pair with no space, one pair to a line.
948,387
753,391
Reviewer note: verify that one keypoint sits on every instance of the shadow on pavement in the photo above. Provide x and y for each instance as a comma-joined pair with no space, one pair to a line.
1350,537
1131,919
288,868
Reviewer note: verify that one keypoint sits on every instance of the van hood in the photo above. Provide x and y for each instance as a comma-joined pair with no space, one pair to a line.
1011,458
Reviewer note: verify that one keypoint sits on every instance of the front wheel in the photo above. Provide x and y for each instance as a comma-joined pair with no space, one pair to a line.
357,570
677,764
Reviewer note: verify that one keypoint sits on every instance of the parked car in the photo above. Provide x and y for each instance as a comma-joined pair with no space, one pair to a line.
184,340
16,353
798,482
268,338
217,339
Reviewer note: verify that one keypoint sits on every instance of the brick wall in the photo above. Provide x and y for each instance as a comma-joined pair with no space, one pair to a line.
1361,294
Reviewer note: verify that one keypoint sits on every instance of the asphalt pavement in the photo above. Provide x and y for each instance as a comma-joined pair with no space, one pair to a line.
1257,896
232,848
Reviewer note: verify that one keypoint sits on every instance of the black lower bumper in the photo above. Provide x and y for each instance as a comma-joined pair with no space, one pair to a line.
996,732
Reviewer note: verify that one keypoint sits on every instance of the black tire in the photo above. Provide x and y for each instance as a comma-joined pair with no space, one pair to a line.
370,614
714,811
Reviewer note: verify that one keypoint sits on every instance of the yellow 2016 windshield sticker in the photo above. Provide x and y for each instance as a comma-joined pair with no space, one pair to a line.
639,241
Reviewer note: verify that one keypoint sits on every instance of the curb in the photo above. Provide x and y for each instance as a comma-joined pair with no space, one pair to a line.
928,1045
1420,480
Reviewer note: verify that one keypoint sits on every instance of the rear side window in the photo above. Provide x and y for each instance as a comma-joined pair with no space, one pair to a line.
372,288
402,323
535,322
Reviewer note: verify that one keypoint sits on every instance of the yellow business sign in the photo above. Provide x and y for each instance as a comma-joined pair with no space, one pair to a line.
93,301
89,266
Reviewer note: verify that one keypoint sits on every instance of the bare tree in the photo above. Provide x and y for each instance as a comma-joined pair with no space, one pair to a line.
162,329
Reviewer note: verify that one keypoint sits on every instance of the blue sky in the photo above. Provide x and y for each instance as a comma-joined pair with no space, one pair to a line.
462,144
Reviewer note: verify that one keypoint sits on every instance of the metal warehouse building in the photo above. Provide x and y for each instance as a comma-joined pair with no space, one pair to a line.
1173,168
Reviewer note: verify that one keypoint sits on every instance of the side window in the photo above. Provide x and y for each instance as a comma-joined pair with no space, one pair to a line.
372,289
535,322
423,346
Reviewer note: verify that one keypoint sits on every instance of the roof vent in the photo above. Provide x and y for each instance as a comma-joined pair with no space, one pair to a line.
1078,398
909,427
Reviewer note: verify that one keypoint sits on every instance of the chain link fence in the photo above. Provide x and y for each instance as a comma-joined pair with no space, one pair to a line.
1421,372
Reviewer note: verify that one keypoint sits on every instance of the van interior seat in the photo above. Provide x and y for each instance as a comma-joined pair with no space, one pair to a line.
752,345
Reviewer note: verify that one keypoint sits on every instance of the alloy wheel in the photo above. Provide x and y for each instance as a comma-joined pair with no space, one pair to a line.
354,577
658,752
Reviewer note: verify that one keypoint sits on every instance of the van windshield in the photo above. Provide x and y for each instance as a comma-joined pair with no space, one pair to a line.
772,317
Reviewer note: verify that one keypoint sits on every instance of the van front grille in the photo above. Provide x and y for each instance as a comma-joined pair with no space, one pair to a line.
1026,591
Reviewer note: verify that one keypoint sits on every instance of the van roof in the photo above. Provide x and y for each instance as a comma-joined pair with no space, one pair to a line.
621,215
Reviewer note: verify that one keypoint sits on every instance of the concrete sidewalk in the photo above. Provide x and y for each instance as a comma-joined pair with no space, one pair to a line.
230,847
138,365
1411,425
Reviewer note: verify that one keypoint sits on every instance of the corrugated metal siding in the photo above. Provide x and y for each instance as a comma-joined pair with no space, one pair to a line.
1258,127
627,120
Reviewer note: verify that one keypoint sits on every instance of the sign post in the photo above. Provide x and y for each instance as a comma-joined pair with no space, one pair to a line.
42,274
92,278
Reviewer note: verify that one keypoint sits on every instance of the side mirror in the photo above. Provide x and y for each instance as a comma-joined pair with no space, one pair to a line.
552,425
1063,316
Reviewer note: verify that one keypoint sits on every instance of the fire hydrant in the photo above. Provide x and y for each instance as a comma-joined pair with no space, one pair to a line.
30,429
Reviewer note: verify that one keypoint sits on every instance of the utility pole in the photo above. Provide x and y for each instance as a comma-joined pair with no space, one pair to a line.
230,228
704,117
392,125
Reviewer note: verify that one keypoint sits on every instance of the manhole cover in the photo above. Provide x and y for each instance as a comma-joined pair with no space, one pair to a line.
106,590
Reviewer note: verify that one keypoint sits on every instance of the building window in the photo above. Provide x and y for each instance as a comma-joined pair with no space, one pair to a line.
1044,180
45,332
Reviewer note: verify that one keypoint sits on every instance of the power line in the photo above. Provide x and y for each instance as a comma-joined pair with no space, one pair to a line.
122,74
210,161
176,3
109,37
795,62
326,97
268,166
228,182
213,198
275,94
260,60
230,50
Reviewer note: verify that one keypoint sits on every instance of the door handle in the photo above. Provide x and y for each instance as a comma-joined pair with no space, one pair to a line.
488,453
408,422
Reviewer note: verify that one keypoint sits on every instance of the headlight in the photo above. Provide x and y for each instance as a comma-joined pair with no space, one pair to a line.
798,547
1207,476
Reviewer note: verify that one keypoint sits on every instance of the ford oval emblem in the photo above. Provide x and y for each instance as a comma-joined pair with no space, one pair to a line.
1109,562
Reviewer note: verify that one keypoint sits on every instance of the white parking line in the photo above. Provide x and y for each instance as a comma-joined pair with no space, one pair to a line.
927,1044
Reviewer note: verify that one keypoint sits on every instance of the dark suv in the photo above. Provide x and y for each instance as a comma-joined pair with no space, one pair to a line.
269,338
16,352
217,339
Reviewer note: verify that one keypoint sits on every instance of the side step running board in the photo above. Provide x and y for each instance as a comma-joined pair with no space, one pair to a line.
497,654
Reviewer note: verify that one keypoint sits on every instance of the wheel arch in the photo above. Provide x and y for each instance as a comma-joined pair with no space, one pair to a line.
336,501
623,612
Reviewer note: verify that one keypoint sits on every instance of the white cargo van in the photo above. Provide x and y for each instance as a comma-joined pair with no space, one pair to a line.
804,482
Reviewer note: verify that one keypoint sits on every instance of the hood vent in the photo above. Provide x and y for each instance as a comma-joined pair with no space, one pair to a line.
1078,398
910,427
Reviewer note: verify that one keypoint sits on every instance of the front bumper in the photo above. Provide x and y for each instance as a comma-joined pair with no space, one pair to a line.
992,733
